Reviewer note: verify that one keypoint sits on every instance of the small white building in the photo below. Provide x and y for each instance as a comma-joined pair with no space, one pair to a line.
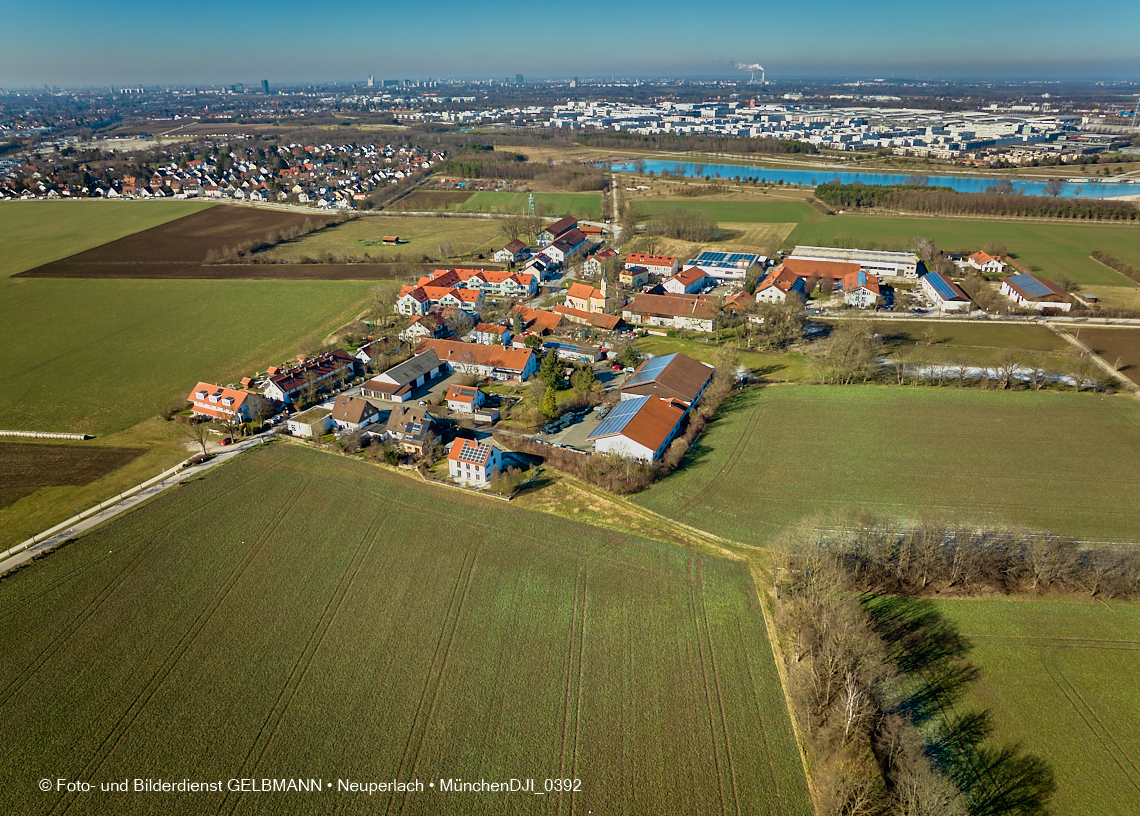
641,427
688,282
312,423
984,262
1033,292
473,462
946,295
464,399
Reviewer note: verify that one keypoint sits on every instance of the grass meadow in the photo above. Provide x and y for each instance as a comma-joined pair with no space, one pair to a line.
38,232
1058,679
581,205
424,235
97,356
296,614
1059,462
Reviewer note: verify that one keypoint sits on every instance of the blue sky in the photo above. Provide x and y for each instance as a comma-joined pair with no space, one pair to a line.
63,42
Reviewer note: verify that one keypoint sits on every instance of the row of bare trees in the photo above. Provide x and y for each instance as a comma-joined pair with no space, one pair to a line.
871,677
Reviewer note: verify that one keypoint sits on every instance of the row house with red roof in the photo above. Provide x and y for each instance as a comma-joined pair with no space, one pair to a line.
286,385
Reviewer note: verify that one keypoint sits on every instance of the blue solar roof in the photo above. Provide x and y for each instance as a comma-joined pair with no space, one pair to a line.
619,417
941,286
1030,285
650,370
711,258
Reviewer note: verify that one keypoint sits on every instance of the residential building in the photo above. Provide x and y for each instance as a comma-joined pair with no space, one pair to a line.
288,384
219,402
595,265
495,362
778,285
1033,292
489,281
410,428
860,290
670,376
874,261
661,265
672,311
511,253
464,399
419,300
538,321
556,230
690,281
428,325
539,265
473,462
729,267
487,334
398,382
633,277
639,428
565,248
984,262
599,320
945,294
585,298
353,413
310,424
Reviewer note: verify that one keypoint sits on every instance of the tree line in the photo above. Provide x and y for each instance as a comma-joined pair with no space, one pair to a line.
870,676
1125,269
944,201
576,178
680,142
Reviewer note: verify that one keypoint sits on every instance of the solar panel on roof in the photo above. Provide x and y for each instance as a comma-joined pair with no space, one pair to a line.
1030,285
941,286
650,370
619,417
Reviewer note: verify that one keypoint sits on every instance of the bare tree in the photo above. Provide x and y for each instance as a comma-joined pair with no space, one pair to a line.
198,431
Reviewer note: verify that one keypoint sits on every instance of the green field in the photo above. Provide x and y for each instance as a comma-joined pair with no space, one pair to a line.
295,614
423,235
1061,462
581,205
38,232
1056,248
986,335
1059,678
774,365
757,212
97,356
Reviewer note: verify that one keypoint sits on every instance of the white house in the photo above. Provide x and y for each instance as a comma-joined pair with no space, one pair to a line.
639,428
984,262
473,462
353,413
312,423
661,265
464,399
860,290
945,294
687,282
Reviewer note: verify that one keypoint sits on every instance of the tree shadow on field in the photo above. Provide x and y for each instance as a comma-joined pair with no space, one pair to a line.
701,449
931,655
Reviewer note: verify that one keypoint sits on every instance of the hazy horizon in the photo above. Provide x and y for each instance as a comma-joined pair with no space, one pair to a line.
129,43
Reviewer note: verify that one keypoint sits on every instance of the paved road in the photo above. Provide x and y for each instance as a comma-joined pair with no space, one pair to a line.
48,540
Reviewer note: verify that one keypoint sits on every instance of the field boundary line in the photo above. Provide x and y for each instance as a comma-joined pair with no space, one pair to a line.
175,655
463,586
693,590
92,517
1081,710
88,610
699,589
305,659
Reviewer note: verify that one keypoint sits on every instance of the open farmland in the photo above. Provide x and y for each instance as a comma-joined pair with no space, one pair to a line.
26,467
295,614
1058,678
424,200
1121,344
422,236
1053,249
177,249
38,232
96,356
1060,462
746,212
581,205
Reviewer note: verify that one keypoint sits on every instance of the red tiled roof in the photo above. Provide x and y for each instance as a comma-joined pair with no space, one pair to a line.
641,259
599,319
511,359
806,268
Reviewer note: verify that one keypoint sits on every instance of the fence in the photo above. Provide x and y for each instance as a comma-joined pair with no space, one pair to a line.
45,435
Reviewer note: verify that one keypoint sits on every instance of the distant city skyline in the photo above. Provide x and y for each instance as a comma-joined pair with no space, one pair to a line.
63,43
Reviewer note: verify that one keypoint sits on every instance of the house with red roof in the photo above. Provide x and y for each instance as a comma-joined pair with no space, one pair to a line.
221,403
779,284
662,265
984,262
585,298
473,462
687,282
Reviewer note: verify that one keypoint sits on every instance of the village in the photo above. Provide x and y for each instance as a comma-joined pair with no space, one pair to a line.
445,386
